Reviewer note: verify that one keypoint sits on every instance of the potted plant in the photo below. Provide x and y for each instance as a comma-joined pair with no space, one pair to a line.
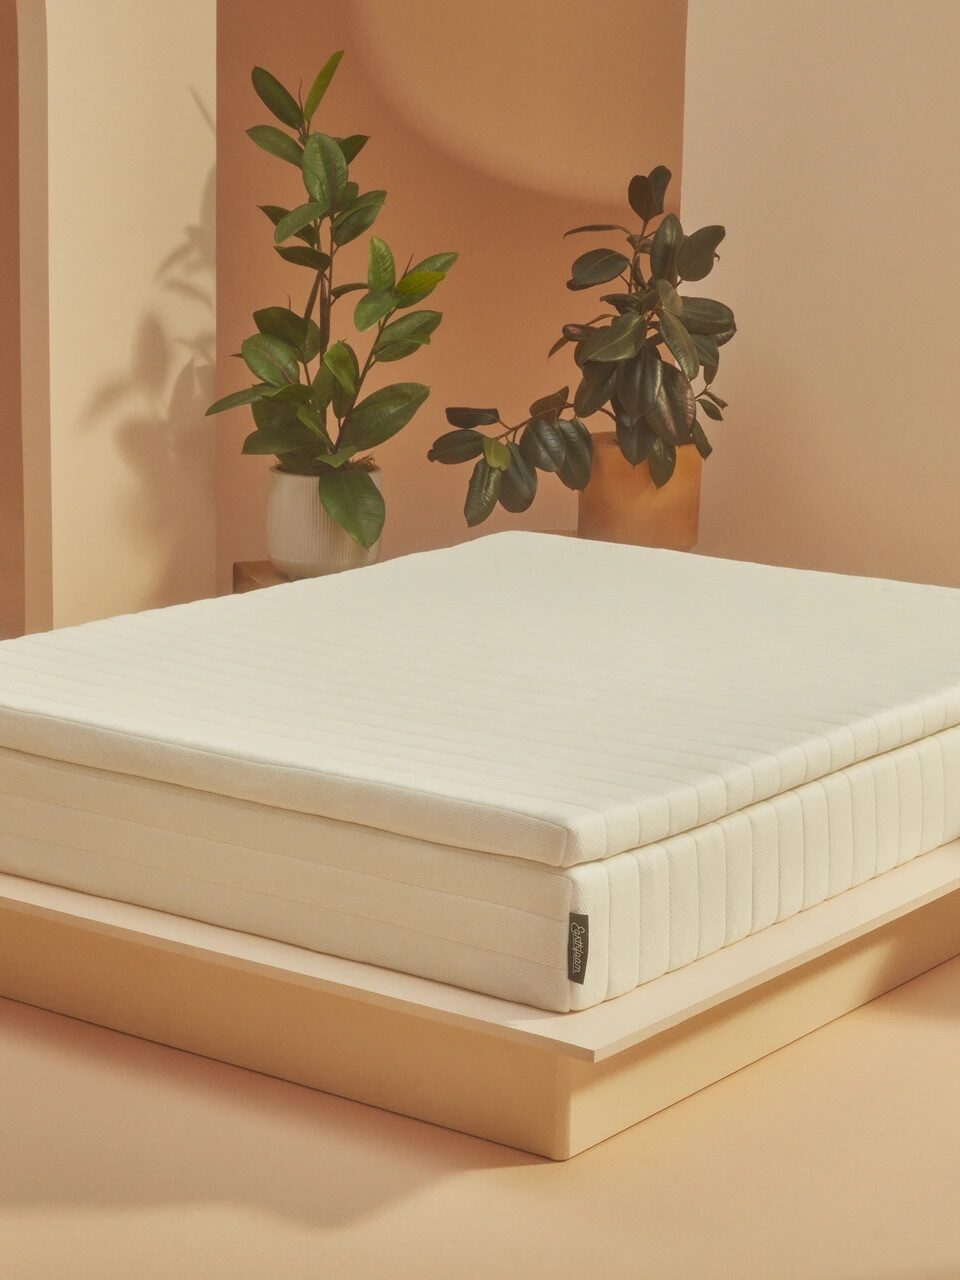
638,361
311,406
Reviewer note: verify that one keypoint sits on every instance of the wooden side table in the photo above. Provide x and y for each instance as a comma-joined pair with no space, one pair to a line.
251,575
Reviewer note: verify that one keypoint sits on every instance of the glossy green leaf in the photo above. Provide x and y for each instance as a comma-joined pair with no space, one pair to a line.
699,436
276,441
381,269
698,251
662,461
416,285
275,212
680,343
382,414
270,359
596,267
641,196
352,499
659,181
342,363
711,410
639,381
276,142
352,146
635,439
372,308
401,337
321,84
280,322
321,389
595,226
236,398
496,453
704,316
324,169
597,385
666,245
274,96
550,406
674,412
312,419
669,298
336,459
518,484
352,287
619,341
297,219
482,492
360,216
303,256
542,445
463,417
457,446
578,453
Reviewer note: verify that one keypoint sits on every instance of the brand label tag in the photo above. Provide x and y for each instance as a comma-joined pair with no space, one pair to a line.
578,946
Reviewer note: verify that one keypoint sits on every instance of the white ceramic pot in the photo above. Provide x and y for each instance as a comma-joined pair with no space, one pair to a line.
302,540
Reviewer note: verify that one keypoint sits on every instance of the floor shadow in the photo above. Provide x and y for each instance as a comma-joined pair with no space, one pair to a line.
175,1129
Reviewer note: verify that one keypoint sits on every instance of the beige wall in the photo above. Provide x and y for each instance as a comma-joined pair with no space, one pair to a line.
120,484
11,468
824,136
494,128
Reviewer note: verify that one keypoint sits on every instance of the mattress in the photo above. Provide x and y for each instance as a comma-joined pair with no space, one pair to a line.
537,767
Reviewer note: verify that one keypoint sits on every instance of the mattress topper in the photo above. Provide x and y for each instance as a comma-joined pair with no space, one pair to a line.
525,695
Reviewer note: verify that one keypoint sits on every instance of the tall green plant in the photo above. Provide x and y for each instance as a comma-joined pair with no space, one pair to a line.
306,402
638,361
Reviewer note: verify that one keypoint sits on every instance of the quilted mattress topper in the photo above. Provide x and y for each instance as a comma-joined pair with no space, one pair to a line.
525,695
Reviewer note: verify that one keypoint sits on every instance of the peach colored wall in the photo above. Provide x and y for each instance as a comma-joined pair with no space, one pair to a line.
11,463
495,127
823,136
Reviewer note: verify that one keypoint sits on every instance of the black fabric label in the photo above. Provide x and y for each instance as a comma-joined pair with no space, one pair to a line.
578,946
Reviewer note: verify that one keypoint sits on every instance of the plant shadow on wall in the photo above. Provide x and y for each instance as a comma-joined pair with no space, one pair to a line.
154,409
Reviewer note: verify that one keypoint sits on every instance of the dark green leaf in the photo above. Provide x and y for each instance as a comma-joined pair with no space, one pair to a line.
336,459
270,360
381,269
594,226
669,298
697,253
436,262
619,341
542,445
321,84
352,146
496,453
324,169
482,492
596,267
659,181
417,285
712,395
561,342
351,498
382,414
321,389
596,387
674,412
457,446
403,336
518,484
663,251
639,381
635,439
462,417
575,470
294,221
360,215
709,318
276,441
280,322
275,212
276,142
704,447
303,256
711,410
372,308
680,344
550,406
274,96
642,199
341,289
662,460
247,396
276,415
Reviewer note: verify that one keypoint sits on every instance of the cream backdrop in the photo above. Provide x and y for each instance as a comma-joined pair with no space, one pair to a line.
495,127
11,466
824,136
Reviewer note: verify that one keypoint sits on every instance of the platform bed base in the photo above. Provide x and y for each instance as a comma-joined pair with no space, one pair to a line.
549,1084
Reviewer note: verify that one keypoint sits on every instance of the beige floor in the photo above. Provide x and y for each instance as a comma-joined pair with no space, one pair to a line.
837,1158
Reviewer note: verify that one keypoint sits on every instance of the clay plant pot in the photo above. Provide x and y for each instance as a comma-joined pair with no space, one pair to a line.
622,504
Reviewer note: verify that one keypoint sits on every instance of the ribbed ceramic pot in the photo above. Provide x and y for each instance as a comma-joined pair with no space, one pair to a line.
302,540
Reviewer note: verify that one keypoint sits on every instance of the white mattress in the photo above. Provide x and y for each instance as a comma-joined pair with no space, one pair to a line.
469,763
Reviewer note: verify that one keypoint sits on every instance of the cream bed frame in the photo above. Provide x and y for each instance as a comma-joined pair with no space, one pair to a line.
552,1084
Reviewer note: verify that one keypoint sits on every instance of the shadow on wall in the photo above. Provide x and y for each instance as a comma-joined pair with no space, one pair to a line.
154,409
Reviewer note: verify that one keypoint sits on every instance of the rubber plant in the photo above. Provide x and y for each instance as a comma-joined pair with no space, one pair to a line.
308,402
638,362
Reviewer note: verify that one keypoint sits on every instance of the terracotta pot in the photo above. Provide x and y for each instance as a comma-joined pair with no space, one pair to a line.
622,504
302,540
